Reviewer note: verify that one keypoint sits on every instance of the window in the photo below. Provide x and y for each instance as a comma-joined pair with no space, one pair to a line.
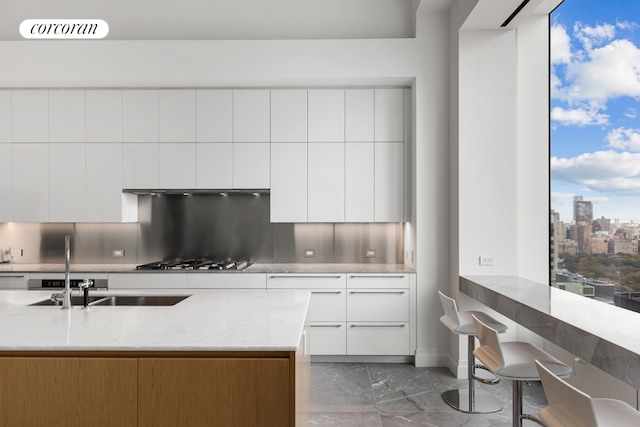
595,149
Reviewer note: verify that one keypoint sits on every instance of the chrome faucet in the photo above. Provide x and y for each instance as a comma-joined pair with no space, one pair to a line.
66,294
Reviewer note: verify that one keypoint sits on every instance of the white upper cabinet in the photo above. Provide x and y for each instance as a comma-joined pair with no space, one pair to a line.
251,166
359,182
140,116
103,182
66,116
359,115
214,165
214,115
251,115
30,115
177,165
177,115
66,182
289,115
288,182
5,182
5,116
389,115
104,115
389,182
29,188
326,115
326,182
140,165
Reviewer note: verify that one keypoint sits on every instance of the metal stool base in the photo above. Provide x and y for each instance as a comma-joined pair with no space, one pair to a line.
483,403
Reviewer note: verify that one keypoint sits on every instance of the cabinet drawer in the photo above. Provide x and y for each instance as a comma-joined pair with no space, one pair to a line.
328,338
328,305
378,338
378,280
226,281
148,281
306,281
13,281
365,305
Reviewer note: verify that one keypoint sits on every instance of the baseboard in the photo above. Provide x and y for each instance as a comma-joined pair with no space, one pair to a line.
431,359
363,359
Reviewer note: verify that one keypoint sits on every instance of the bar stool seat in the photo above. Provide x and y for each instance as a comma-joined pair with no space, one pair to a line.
515,361
461,323
569,406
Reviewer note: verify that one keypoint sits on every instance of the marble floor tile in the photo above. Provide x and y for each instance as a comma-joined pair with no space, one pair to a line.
346,419
341,387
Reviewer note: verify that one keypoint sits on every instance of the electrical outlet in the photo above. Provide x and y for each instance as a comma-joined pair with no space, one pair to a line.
487,260
16,253
118,253
309,253
369,253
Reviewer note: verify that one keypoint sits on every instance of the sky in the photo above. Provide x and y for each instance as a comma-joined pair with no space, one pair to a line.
595,107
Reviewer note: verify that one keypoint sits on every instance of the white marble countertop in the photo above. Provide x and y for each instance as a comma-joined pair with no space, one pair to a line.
606,336
208,320
254,268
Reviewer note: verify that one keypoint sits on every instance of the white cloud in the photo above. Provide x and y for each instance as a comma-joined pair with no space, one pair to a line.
560,45
624,139
590,36
578,116
631,113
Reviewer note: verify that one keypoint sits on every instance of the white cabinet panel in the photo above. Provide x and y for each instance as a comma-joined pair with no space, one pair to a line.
326,182
389,115
104,182
359,115
359,182
227,281
289,115
66,116
177,115
288,182
5,116
5,182
328,338
251,121
251,165
30,115
328,305
378,305
14,281
378,281
214,165
29,188
104,115
378,338
326,115
306,281
148,281
140,162
66,182
177,165
140,116
214,115
389,182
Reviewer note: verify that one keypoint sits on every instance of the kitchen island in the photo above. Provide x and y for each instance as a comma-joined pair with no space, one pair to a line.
217,358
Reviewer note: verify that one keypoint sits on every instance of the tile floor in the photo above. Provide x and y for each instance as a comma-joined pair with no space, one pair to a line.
391,395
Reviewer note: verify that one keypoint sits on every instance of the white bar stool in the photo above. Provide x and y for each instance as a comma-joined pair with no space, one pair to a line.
461,323
569,406
514,361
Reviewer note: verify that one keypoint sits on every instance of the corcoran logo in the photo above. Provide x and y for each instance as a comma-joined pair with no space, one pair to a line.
64,29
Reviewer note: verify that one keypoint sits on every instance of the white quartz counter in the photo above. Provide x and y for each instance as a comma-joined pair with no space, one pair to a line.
208,320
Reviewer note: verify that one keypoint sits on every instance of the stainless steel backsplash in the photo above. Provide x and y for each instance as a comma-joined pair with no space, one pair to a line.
233,226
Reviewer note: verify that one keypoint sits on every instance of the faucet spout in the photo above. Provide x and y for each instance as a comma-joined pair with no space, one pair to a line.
66,300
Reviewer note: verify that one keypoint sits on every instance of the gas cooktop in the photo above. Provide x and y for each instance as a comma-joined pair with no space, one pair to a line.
195,264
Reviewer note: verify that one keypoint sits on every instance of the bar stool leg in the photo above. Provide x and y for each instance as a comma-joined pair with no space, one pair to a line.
471,401
518,416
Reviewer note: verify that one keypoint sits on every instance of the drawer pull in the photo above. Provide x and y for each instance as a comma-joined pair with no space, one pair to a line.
385,276
401,325
337,325
377,292
10,276
288,276
327,292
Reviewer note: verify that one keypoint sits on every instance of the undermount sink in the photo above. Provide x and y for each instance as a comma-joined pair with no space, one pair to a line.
121,300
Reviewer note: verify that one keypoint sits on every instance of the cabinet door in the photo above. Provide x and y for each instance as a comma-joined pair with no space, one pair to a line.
289,115
214,165
359,115
66,182
104,115
5,116
328,338
359,182
214,112
326,115
389,182
251,119
66,116
140,116
288,182
177,165
177,115
326,182
378,339
14,281
384,305
104,182
30,115
29,188
251,166
5,182
140,163
389,115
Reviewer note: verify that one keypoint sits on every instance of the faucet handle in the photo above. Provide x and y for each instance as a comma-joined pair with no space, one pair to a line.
86,283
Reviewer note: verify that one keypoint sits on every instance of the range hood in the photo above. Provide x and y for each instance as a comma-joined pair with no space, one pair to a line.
190,191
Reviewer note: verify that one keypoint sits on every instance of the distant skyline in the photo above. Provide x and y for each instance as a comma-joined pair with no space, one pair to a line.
595,107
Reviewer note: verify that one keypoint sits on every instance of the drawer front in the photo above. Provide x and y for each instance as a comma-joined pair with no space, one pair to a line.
384,281
328,305
364,305
13,281
306,281
227,281
148,281
71,275
378,338
328,338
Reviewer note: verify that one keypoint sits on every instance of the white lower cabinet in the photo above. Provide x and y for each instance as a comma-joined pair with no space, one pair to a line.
328,338
378,338
14,281
238,280
162,280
